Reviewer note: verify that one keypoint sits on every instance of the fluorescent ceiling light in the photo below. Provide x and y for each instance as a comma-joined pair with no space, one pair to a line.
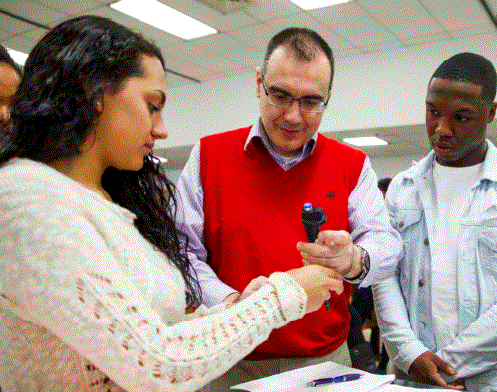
18,57
164,18
365,141
311,4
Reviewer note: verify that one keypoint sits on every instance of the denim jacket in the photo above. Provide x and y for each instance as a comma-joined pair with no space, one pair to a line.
403,302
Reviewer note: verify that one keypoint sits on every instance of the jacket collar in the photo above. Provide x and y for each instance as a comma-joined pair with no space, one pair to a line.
424,167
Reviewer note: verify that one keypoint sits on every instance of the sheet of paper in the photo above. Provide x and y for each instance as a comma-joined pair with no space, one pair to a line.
296,380
400,388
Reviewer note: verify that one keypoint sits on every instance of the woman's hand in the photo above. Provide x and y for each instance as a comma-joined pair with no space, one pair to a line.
252,287
317,281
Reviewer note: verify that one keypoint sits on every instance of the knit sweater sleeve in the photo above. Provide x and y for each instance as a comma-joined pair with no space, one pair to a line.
60,281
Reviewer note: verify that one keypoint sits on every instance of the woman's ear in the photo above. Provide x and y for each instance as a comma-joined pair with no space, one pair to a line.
99,105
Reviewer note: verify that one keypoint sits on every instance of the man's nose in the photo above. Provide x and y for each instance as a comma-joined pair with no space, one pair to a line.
443,127
293,113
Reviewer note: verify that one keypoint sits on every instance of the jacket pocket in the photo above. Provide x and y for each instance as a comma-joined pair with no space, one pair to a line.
404,219
410,226
487,248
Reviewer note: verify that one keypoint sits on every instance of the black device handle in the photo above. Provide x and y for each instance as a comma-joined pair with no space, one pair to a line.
313,218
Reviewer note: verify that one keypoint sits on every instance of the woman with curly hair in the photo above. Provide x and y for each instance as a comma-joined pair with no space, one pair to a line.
94,276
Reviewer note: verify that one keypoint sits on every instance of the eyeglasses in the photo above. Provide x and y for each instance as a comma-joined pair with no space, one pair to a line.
284,100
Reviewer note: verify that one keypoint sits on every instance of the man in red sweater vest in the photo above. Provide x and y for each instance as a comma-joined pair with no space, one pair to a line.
242,193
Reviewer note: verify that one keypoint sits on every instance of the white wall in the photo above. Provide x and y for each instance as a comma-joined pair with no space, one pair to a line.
173,175
381,89
391,166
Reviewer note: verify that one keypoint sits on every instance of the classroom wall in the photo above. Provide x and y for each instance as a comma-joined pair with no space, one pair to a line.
391,166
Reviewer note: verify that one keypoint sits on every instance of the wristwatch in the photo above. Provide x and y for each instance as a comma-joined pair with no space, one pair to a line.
365,265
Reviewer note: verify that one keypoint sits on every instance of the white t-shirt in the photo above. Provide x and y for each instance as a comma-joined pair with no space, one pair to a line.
452,186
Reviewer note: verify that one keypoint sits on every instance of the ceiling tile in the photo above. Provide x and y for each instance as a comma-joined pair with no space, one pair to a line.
457,14
70,7
160,37
240,53
4,34
304,19
239,71
14,26
345,52
182,66
407,18
257,35
353,24
226,46
173,80
477,30
378,47
19,43
248,60
32,11
200,56
35,35
270,9
211,17
420,40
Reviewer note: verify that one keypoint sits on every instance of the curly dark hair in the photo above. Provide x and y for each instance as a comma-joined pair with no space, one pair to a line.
54,110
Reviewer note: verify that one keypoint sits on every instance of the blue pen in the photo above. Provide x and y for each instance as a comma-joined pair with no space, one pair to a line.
332,380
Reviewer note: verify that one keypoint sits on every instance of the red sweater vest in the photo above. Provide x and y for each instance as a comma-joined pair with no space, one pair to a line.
253,222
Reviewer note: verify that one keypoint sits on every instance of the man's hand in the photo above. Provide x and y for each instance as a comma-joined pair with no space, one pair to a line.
335,250
427,367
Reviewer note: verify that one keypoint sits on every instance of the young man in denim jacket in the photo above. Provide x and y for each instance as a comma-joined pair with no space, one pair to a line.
438,314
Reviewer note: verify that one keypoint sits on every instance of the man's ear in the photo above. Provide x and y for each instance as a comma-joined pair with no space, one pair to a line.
491,114
258,79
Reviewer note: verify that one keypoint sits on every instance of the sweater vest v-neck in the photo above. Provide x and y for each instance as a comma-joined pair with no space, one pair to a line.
252,224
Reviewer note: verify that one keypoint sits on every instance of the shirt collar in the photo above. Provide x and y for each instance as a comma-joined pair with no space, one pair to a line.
257,131
489,165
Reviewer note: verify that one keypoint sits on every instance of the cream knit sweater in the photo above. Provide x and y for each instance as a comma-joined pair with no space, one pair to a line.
87,304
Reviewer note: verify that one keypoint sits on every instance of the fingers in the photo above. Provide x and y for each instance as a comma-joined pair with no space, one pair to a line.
317,282
325,271
320,254
336,286
232,298
326,280
426,368
458,384
444,366
253,286
334,238
333,249
437,379
314,252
